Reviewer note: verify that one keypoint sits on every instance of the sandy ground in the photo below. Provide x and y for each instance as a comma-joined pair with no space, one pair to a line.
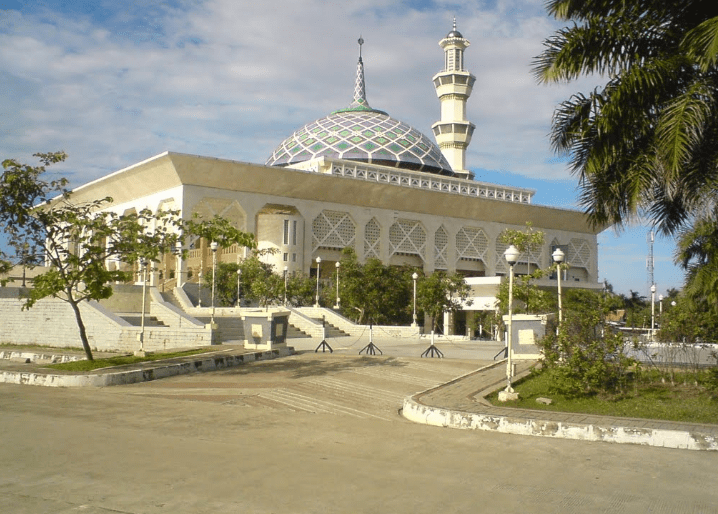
312,433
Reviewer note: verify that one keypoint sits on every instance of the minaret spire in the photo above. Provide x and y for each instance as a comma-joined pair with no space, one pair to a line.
360,102
359,86
453,87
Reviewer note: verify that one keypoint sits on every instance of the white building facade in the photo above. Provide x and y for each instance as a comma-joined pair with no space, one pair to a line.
358,178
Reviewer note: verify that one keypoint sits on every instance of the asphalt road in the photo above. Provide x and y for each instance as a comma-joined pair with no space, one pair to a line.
308,434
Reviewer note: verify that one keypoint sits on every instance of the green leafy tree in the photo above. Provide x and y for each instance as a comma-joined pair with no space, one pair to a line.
373,292
218,230
646,141
23,186
300,290
259,282
688,322
225,284
76,240
585,358
441,292
525,293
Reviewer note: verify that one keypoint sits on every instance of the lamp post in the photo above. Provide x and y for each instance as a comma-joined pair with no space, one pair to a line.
653,310
213,245
199,279
660,307
239,296
511,255
319,261
558,257
141,351
414,277
178,263
285,285
337,265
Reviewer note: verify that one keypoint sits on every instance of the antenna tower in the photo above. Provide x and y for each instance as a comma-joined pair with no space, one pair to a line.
650,238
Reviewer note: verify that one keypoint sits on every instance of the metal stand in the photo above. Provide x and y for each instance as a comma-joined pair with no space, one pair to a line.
504,351
324,345
432,351
371,348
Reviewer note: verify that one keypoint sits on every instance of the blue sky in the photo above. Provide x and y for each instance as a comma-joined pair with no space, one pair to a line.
113,83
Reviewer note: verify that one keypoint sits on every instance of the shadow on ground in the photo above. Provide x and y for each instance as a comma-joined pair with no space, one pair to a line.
296,368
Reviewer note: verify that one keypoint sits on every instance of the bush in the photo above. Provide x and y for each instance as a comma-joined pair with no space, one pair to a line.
585,358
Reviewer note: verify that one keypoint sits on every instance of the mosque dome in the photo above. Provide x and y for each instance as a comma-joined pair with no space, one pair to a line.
360,133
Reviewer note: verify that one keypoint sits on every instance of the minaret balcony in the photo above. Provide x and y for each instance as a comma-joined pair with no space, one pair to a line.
456,132
454,82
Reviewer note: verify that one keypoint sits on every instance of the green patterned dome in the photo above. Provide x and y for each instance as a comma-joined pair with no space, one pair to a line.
364,136
360,133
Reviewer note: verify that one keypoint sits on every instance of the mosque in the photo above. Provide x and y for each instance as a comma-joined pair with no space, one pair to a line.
360,178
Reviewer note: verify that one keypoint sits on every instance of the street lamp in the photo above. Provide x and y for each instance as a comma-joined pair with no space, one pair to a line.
141,351
337,265
239,297
512,256
558,257
285,285
213,245
414,277
199,279
319,261
178,264
660,307
653,309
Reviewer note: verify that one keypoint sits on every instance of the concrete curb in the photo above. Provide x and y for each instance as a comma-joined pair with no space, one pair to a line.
202,363
533,425
50,358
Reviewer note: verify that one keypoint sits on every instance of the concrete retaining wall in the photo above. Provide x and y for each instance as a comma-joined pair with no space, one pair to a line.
51,322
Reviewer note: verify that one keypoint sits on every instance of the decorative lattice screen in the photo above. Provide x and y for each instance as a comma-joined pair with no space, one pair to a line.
407,237
501,266
441,249
524,258
579,253
372,239
471,244
333,229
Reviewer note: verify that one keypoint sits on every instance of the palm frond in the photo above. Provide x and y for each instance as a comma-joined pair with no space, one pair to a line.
701,44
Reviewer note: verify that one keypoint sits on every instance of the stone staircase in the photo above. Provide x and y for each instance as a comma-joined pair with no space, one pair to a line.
294,332
135,319
169,297
331,330
229,329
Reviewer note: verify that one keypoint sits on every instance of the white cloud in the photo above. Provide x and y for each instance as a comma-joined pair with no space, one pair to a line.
110,92
113,83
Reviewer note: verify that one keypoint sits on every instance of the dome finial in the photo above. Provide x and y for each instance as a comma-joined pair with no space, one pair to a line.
359,87
454,33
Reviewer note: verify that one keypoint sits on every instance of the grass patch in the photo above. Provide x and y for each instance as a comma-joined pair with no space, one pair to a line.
123,360
685,402
39,348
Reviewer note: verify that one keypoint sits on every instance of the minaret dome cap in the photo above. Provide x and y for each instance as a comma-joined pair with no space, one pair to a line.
454,32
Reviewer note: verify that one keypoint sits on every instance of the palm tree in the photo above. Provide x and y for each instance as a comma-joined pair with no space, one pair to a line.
646,142
698,255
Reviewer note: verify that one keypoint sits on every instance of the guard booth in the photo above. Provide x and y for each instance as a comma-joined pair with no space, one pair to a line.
265,329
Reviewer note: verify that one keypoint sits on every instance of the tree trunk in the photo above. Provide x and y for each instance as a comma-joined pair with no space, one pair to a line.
83,334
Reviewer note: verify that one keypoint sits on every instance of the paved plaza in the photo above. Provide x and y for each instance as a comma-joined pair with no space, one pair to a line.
313,433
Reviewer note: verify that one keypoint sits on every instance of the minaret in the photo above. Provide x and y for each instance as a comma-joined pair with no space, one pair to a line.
453,87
